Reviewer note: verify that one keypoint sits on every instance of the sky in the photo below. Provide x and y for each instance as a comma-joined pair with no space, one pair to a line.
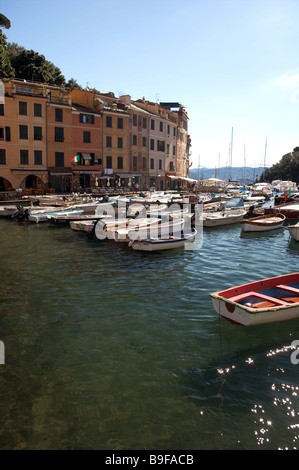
233,64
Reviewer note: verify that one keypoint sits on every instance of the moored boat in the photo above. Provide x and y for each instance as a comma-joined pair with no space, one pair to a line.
263,223
294,231
265,301
164,242
217,219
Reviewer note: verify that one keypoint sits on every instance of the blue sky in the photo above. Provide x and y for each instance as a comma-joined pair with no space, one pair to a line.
232,63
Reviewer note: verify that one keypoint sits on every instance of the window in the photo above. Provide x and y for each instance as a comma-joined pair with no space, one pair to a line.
173,150
134,163
174,132
120,123
23,108
38,157
167,149
108,141
134,119
1,133
2,157
168,129
144,125
1,109
24,157
59,159
86,118
37,110
161,126
143,141
37,133
58,115
86,137
59,134
171,167
23,132
109,162
108,121
144,163
134,139
152,144
119,142
160,164
160,145
152,163
120,163
152,124
7,133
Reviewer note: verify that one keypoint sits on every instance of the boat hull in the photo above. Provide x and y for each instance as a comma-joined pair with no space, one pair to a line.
263,223
215,220
163,244
294,231
265,301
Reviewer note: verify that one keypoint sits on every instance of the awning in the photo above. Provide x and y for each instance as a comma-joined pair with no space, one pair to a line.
190,180
172,177
127,175
106,177
29,171
86,156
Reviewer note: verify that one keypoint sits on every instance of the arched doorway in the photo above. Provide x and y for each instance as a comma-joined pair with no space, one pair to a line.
5,185
32,181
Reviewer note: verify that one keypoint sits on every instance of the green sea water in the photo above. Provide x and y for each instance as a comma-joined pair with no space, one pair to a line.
108,348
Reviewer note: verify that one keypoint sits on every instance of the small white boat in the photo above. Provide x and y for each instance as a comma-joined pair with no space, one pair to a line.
83,225
163,243
149,230
294,231
44,216
268,300
217,219
263,223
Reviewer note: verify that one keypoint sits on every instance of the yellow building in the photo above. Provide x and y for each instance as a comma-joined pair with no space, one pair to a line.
23,149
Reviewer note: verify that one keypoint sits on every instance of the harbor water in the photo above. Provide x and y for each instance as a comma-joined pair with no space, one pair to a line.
109,348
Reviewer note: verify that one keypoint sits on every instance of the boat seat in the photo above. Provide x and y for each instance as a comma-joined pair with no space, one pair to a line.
288,288
292,300
258,295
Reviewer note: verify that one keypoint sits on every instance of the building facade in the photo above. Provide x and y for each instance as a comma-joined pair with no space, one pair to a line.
52,139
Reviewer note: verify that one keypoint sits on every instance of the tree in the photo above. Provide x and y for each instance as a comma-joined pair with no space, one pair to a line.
287,169
4,22
72,83
30,65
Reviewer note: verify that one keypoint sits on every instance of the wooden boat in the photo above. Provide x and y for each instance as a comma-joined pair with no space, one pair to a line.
265,301
43,216
108,229
294,231
163,243
83,225
149,230
263,223
62,219
217,219
289,210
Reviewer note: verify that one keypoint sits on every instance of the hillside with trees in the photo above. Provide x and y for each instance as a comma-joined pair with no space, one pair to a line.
287,169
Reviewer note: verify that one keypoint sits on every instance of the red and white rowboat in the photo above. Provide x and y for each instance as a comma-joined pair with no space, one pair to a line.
265,301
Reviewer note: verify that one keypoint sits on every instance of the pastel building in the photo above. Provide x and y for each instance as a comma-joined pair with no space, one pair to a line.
58,140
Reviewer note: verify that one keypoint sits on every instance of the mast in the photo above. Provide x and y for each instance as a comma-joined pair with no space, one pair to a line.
231,155
265,155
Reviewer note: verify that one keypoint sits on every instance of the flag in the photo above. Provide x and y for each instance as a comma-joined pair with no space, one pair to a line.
76,159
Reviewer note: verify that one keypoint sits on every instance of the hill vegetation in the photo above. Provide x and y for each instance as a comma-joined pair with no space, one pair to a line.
287,169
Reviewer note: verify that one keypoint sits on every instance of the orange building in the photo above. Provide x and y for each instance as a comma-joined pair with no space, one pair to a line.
86,140
51,139
23,136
